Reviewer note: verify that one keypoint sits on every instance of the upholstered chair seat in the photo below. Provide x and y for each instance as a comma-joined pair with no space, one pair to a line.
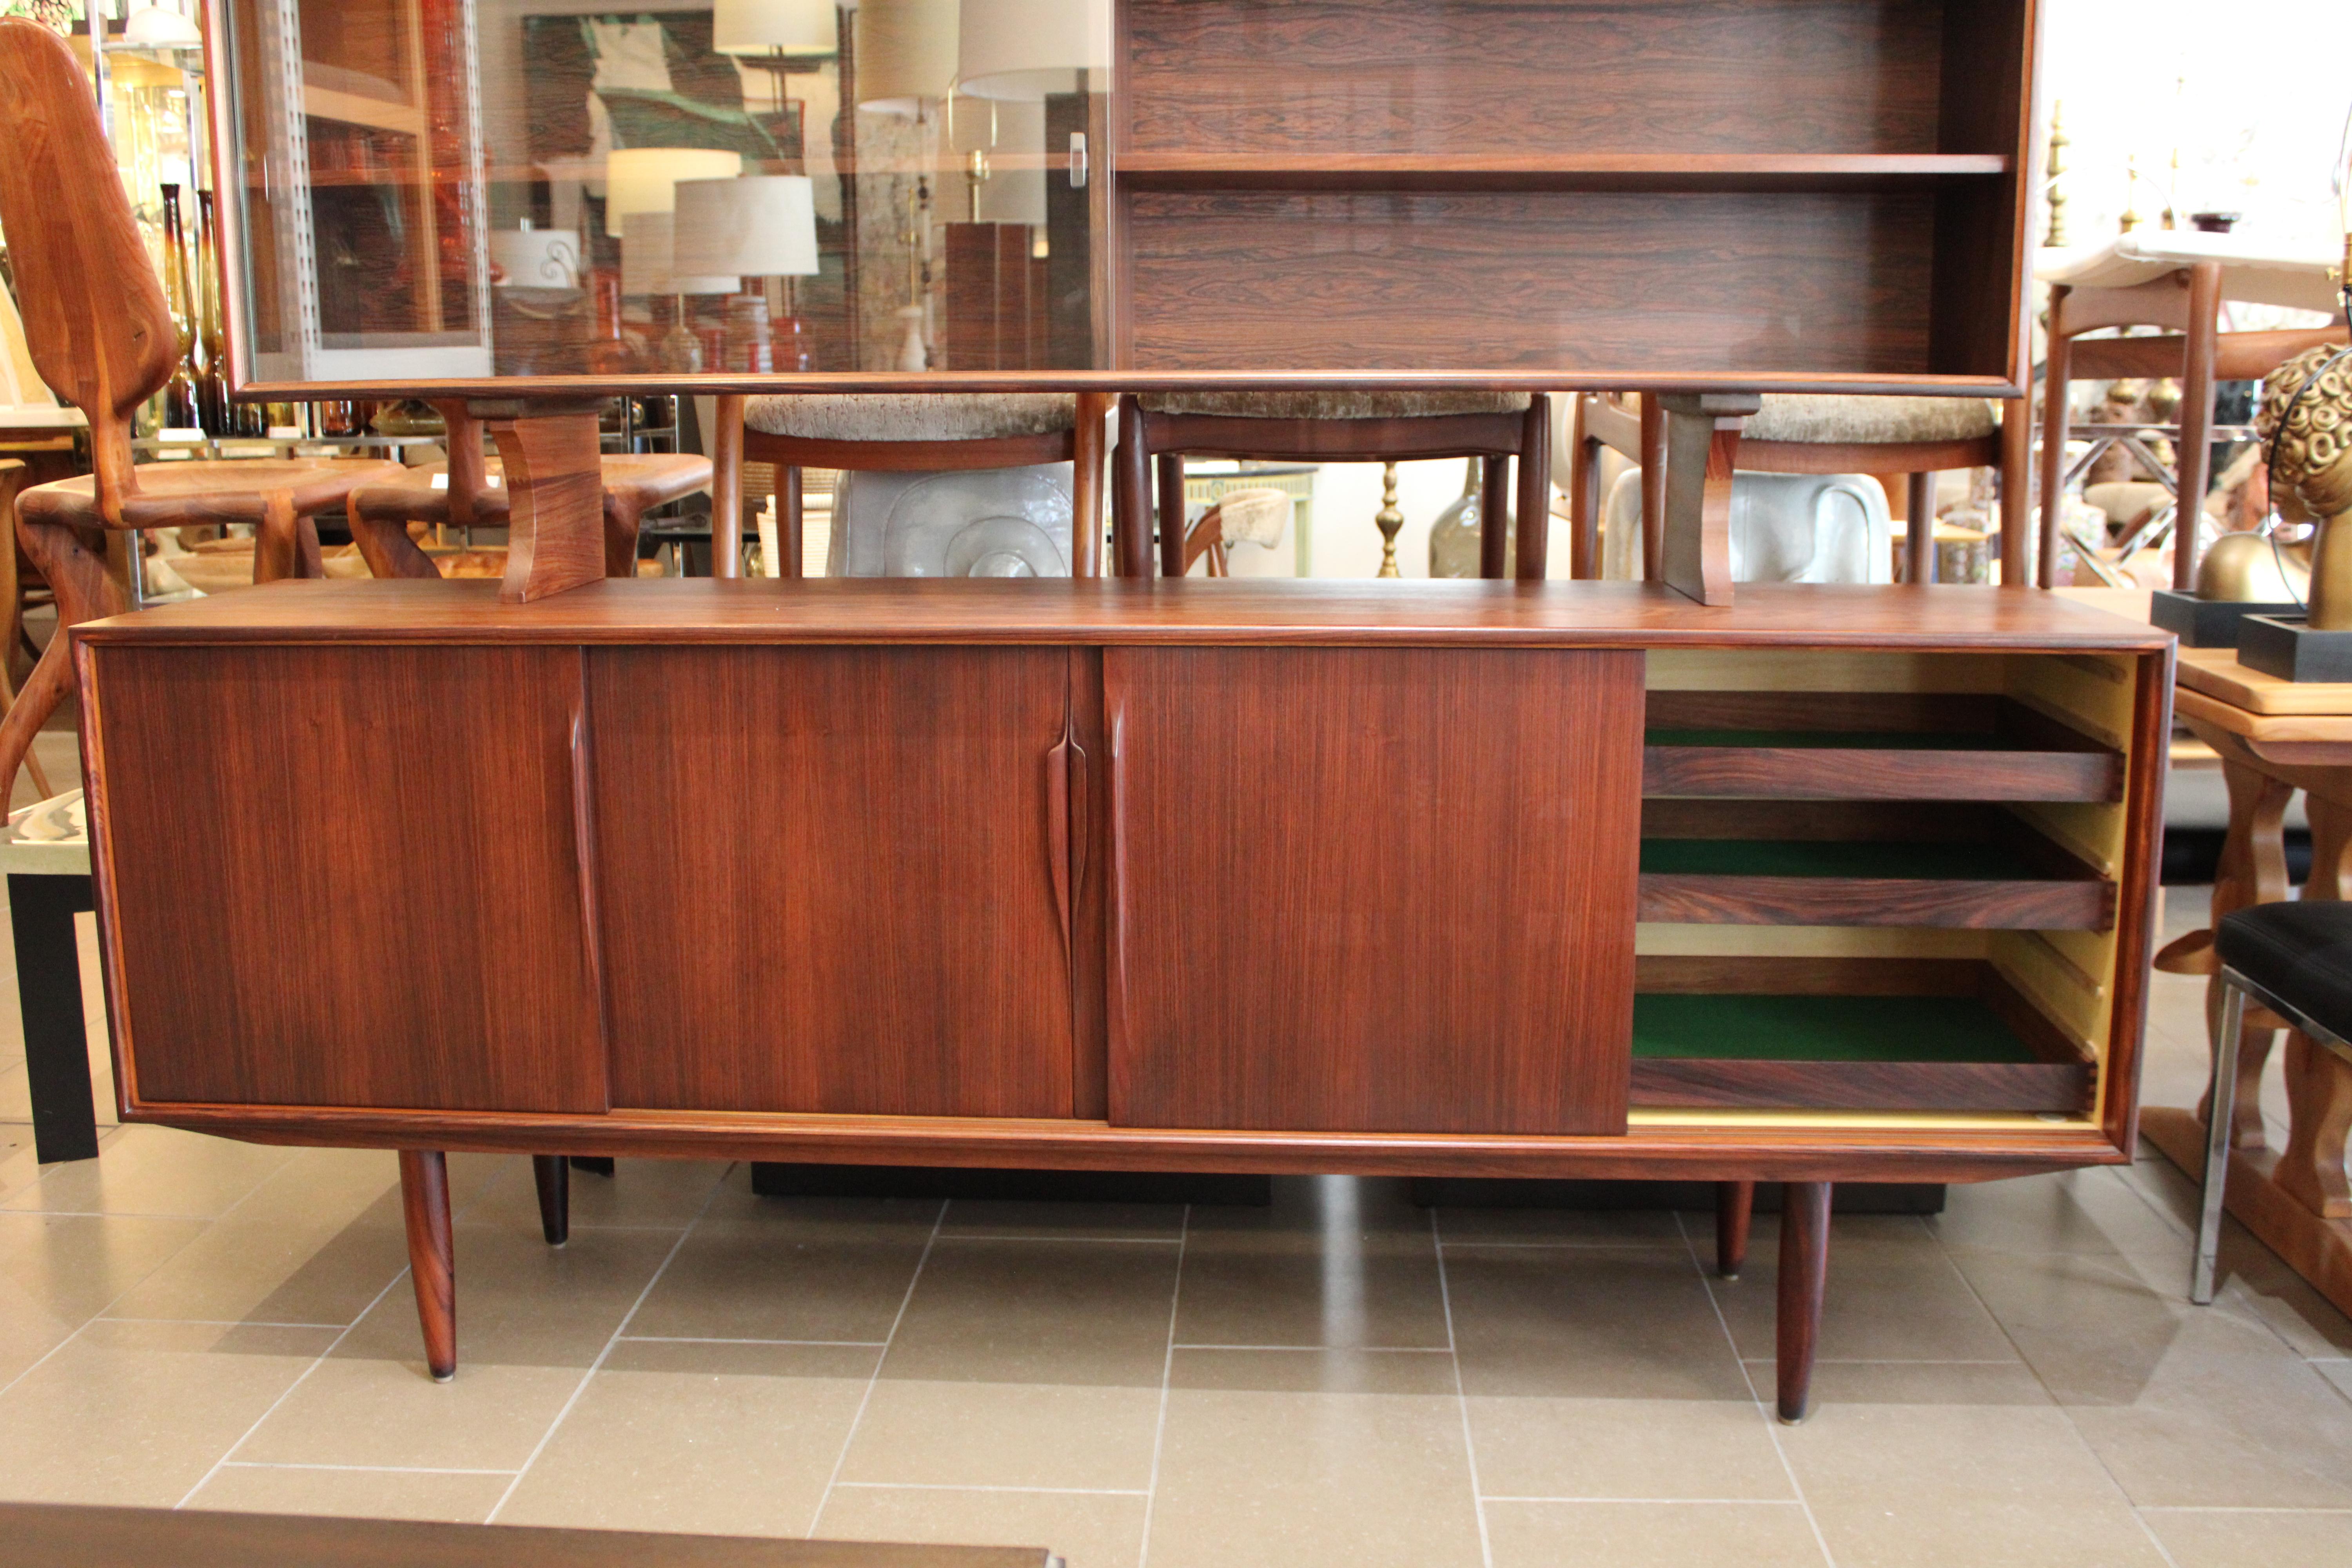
912,416
1835,419
1332,405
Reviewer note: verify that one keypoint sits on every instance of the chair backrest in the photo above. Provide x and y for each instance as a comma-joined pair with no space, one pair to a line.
96,321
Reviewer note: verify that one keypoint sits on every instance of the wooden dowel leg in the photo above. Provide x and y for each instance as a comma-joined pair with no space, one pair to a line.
1735,1206
790,510
1919,533
425,1204
553,1178
1804,1281
2055,425
1171,514
1495,517
1130,509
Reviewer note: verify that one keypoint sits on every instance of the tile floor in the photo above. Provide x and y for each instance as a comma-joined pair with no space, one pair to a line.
1339,1379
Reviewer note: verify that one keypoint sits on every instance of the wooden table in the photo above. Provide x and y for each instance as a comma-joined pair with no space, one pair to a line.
61,1536
2275,737
1250,875
48,884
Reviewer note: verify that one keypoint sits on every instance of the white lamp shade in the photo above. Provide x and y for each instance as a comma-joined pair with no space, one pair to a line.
808,29
1023,50
537,258
762,226
161,27
906,53
644,179
1015,191
646,261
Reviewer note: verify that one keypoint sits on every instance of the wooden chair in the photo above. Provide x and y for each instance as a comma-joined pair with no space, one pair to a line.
12,479
1792,433
634,484
1162,428
101,334
913,433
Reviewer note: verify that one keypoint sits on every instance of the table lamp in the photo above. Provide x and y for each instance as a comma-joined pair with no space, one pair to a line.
644,179
779,37
648,257
905,53
1025,49
759,225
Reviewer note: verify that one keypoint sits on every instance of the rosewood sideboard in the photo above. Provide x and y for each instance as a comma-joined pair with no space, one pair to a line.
1830,884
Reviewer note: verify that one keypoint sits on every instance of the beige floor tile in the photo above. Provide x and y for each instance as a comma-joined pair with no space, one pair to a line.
727,1440
658,1194
1038,1311
15,1092
154,1170
1651,1535
1110,1222
1916,1383
1093,1436
1085,1531
1319,1206
806,1269
72,1266
1894,1295
1592,1324
2089,1326
316,1243
136,1414
28,1331
2338,1373
1625,1448
352,1494
2068,1211
386,1415
2227,1417
1351,1289
2252,1274
1340,1371
2239,1538
1364,1479
521,1302
1959,1486
1568,1227
736,1202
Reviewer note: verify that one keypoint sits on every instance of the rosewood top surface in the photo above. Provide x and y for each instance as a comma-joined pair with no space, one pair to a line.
1227,611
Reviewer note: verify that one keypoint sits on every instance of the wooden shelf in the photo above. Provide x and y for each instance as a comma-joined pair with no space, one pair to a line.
1846,1034
1222,170
1777,882
1869,746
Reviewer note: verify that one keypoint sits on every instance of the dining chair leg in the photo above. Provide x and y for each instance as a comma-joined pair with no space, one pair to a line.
2056,379
85,591
792,511
1130,505
1170,518
2219,1121
1583,494
1534,491
1495,517
386,548
1919,533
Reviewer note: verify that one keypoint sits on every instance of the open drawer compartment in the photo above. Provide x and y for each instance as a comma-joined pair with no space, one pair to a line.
1928,863
1869,745
1840,1034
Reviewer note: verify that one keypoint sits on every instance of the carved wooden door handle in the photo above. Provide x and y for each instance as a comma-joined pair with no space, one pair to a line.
1057,829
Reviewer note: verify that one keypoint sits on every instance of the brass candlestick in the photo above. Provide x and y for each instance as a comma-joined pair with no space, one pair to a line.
2056,236
2306,421
1389,521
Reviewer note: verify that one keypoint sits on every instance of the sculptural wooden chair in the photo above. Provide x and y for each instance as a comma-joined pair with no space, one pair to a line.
12,479
468,494
102,335
1158,431
1809,434
913,433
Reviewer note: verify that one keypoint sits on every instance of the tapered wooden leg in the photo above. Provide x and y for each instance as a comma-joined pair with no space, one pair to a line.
623,519
1171,514
1131,501
1735,1205
553,1178
725,486
1495,517
1804,1281
1584,493
1919,535
1087,486
425,1204
2194,456
790,510
384,544
2054,424
1534,491
277,550
85,591
2016,493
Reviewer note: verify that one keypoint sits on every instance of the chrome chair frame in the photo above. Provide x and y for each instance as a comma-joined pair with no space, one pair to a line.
2236,991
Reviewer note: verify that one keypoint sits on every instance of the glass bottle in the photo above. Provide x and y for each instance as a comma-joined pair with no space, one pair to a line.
1453,537
212,332
180,397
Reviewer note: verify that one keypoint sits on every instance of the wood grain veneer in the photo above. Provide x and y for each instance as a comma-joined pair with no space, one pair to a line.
1251,280
418,856
1286,951
853,845
1112,612
1333,76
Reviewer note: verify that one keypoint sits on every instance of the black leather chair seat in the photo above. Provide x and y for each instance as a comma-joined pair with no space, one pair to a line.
2300,953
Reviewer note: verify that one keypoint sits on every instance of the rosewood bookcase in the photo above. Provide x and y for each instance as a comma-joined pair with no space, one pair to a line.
1799,884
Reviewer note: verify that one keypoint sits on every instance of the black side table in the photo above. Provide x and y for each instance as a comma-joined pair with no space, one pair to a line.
48,884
